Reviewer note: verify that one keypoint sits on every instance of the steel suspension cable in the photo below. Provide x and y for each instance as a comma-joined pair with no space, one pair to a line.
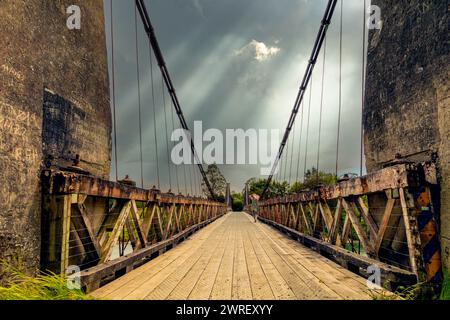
114,92
286,155
363,93
165,73
326,20
194,182
186,191
173,143
167,134
190,179
281,168
139,97
321,108
154,121
292,153
300,141
197,183
340,88
307,129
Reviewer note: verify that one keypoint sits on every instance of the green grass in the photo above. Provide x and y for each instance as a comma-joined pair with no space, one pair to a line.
445,292
47,286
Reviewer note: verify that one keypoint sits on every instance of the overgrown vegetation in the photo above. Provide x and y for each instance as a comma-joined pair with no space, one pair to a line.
217,181
419,291
445,292
49,286
238,201
313,179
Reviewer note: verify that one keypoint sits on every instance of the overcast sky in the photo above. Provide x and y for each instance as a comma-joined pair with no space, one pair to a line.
237,64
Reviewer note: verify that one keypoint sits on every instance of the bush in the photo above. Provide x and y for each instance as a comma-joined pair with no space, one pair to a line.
445,293
47,286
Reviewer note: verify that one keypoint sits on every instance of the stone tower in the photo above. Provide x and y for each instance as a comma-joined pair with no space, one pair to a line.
54,105
407,107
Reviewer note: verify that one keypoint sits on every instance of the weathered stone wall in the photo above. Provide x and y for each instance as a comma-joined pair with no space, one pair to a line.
408,91
38,53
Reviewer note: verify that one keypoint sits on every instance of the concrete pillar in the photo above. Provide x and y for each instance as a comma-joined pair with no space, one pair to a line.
407,107
54,103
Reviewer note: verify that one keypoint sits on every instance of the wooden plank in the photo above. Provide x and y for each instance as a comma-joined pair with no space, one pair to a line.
204,286
345,258
222,289
154,284
326,215
393,177
259,283
123,286
87,236
346,229
169,223
134,214
241,280
163,284
336,221
408,230
305,219
280,288
148,218
357,226
65,236
214,250
295,283
331,281
115,233
384,223
373,229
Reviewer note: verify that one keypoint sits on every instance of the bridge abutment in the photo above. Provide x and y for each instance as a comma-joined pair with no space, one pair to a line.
54,104
408,94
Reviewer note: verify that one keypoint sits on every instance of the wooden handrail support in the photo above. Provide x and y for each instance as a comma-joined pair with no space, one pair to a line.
92,278
389,211
86,219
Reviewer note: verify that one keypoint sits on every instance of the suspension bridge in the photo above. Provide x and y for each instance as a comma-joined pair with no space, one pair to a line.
128,241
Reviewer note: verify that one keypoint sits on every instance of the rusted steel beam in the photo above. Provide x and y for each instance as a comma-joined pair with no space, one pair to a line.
398,176
57,182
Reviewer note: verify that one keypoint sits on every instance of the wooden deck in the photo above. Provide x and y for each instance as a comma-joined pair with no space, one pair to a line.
235,258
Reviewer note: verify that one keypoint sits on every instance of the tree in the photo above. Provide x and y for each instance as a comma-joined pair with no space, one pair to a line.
275,189
217,182
314,179
238,201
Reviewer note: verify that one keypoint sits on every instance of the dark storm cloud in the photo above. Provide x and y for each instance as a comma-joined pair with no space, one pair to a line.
211,49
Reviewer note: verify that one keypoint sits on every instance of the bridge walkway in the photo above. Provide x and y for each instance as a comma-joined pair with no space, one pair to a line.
235,258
